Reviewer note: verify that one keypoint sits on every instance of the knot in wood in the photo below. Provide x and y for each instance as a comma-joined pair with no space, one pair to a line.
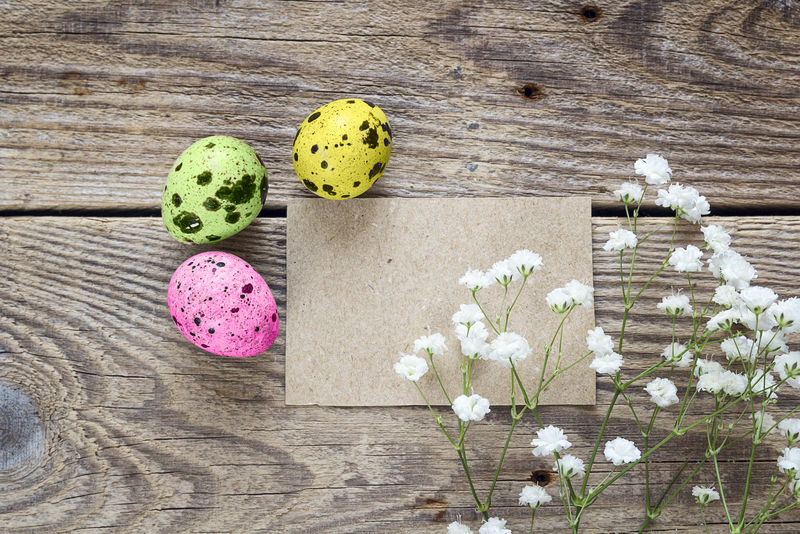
21,433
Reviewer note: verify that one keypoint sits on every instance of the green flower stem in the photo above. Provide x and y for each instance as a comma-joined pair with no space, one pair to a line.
560,372
488,502
438,379
502,307
462,455
646,435
533,516
508,310
633,411
597,444
436,417
703,516
491,323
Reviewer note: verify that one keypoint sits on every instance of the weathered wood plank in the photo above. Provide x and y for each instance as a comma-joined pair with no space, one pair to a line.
116,422
490,98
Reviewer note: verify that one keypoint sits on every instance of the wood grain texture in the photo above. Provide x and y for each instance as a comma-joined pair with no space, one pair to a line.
487,98
110,420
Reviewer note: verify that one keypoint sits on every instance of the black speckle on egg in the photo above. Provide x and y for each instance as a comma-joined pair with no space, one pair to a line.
314,116
240,192
324,164
311,185
314,149
264,187
356,184
234,310
385,141
274,317
197,321
211,204
257,329
178,166
386,128
370,104
213,237
247,288
345,196
204,178
375,169
210,145
295,156
176,200
232,217
329,189
371,140
188,222
364,126
344,137
221,264
351,101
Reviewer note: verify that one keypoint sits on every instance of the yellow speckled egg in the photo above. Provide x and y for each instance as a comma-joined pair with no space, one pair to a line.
342,148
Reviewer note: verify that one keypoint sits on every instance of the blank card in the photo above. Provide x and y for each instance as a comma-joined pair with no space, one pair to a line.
366,277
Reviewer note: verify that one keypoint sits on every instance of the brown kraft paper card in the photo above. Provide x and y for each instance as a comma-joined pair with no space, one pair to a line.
366,277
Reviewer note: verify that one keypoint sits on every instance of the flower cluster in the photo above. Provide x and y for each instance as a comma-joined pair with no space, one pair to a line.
748,324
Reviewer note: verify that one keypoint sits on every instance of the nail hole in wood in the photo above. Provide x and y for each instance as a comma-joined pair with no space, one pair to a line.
542,477
531,91
590,13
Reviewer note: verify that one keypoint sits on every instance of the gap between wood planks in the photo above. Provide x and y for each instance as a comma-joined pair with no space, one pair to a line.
280,212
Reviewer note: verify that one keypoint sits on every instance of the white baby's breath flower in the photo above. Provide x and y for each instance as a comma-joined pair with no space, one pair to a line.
468,314
789,461
678,354
674,305
686,260
703,367
475,280
629,193
717,238
788,367
509,346
757,298
786,314
621,451
570,466
654,168
790,429
739,348
607,364
525,261
705,494
456,527
619,240
763,424
662,392
472,408
503,272
599,342
726,296
494,525
581,293
559,300
732,268
763,383
734,383
724,320
768,341
687,202
473,340
433,343
711,382
548,440
411,367
727,382
534,496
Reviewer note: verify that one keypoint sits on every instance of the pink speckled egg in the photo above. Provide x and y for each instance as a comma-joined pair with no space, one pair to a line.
222,305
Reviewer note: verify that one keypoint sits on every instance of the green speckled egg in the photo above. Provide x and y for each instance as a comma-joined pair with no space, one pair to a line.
342,148
216,187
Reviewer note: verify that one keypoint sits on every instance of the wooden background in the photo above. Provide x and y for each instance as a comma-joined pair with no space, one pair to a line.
110,421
